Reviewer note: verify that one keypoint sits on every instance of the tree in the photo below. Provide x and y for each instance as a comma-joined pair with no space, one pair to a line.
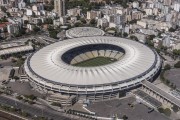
26,21
161,110
167,111
177,65
167,67
93,22
125,117
16,77
150,37
3,9
78,17
8,14
50,28
133,38
83,20
172,29
149,43
78,24
176,51
53,34
125,34
39,23
48,21
36,29
175,108
33,14
133,21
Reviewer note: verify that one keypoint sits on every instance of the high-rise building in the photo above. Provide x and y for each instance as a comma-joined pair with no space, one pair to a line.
59,7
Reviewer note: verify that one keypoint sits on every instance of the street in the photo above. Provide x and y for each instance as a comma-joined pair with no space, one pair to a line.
34,110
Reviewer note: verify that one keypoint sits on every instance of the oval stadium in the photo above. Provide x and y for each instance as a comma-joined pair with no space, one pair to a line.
84,32
92,68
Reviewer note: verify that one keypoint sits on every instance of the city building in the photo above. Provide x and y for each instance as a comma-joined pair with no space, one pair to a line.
93,14
59,7
74,12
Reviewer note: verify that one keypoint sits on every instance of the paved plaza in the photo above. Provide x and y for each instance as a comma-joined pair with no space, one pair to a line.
128,107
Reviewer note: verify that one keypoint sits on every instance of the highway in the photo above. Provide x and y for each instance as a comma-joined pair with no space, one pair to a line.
34,110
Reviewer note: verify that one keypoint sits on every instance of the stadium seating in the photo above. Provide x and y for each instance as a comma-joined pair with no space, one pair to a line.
101,53
107,53
86,52
89,55
95,53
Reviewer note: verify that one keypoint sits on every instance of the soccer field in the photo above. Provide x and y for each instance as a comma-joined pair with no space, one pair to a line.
98,61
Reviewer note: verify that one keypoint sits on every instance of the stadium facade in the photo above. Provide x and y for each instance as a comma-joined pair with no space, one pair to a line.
52,67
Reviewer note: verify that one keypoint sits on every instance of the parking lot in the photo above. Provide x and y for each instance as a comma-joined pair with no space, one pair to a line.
126,106
23,88
173,76
4,73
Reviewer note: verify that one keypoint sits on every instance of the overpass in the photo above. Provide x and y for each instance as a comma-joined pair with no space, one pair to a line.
159,94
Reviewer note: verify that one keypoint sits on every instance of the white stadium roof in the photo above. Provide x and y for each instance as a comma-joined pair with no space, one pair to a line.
84,32
48,65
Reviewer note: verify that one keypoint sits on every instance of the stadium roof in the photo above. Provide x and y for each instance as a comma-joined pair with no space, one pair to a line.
48,65
84,32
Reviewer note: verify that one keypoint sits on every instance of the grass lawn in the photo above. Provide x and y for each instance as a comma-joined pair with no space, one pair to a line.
98,61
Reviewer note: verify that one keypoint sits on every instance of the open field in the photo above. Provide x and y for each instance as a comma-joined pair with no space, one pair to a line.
98,61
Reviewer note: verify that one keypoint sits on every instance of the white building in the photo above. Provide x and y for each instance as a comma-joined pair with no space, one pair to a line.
135,4
93,14
74,12
148,11
103,22
29,12
21,4
177,7
12,28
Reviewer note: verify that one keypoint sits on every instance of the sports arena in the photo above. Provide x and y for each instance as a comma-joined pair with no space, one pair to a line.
92,68
84,32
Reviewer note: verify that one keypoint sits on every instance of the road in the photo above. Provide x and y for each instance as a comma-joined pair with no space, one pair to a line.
34,110
7,62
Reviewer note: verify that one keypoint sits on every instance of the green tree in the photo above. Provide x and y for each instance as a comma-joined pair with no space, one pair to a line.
3,9
26,21
53,34
78,24
39,23
16,77
125,117
177,65
167,67
36,29
161,110
172,29
125,34
167,111
83,20
93,22
33,14
176,51
132,37
175,108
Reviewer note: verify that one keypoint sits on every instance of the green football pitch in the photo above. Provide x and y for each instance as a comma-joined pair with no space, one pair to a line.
98,61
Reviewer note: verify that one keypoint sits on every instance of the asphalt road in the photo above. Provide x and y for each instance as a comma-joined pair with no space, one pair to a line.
7,62
34,110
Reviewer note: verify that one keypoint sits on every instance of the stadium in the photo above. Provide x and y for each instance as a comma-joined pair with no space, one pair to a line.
84,32
92,68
